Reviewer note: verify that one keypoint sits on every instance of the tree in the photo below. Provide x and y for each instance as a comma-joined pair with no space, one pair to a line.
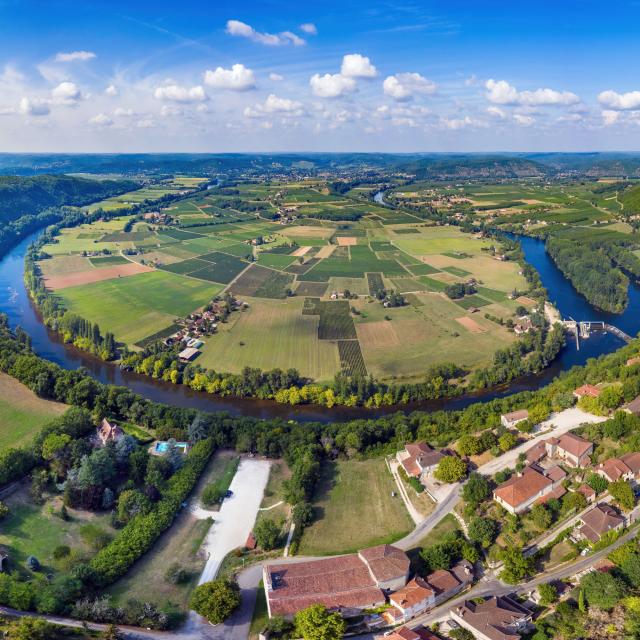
317,623
507,441
451,469
131,503
476,489
483,531
548,594
541,517
35,629
516,566
623,494
216,600
266,533
602,590
610,397
111,633
597,482
468,445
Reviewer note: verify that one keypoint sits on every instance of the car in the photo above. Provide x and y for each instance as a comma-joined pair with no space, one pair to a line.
228,494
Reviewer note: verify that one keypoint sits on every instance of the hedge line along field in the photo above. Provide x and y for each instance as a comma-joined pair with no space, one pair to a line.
290,276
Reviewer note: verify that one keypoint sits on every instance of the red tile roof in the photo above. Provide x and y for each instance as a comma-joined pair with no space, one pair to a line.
495,617
556,494
416,591
632,460
587,491
556,473
521,414
587,390
599,520
519,489
536,453
575,445
411,634
613,469
386,562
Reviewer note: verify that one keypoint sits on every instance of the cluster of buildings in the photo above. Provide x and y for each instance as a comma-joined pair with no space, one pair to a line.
374,578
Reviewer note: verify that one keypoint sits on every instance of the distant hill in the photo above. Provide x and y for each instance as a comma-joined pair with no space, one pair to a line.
478,167
630,199
22,196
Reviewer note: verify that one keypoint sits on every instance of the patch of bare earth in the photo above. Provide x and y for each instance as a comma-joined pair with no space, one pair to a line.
300,251
94,275
347,241
326,251
470,324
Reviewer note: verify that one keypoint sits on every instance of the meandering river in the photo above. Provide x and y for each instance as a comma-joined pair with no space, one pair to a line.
15,302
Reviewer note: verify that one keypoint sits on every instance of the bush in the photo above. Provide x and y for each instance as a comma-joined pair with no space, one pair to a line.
216,600
61,551
451,469
175,574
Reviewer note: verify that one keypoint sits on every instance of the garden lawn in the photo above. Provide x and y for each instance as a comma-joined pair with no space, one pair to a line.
22,412
354,509
135,307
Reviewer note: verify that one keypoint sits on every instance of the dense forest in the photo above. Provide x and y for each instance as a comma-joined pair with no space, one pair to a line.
30,196
592,273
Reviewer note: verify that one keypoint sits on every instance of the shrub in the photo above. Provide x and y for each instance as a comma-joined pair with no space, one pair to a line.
61,551
175,574
216,600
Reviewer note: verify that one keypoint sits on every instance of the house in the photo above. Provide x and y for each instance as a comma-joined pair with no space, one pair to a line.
633,407
536,453
572,449
347,584
587,492
598,521
587,391
510,420
524,326
496,618
108,432
626,467
405,633
521,491
419,459
422,594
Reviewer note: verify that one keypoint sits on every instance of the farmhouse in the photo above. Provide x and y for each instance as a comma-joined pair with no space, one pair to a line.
419,459
520,492
626,467
497,618
598,521
510,420
108,432
422,594
570,448
587,391
347,584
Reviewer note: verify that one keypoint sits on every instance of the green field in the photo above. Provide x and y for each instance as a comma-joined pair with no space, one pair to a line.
354,509
22,412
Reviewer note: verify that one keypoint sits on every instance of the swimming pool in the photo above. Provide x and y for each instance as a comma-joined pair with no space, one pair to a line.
161,447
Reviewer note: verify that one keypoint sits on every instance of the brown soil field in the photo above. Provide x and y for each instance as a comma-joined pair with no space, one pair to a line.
300,251
377,334
94,275
470,324
527,302
347,241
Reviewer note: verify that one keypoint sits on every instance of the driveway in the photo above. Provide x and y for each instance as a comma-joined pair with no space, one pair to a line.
235,520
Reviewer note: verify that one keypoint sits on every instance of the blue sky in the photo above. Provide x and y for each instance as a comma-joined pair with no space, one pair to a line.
319,76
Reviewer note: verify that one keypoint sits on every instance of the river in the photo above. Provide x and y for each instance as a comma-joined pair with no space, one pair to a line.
15,302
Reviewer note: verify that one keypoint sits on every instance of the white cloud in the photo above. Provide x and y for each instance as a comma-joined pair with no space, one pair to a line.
29,107
243,30
471,81
331,85
275,104
111,90
524,121
238,78
355,65
610,117
620,101
74,56
146,123
101,120
454,124
310,28
501,92
496,112
276,77
403,86
121,112
66,93
176,93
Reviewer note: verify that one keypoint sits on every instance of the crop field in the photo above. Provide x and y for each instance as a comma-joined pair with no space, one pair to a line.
355,509
218,242
22,412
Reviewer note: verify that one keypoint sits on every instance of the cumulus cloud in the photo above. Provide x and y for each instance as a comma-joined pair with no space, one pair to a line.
454,124
176,93
74,56
610,117
66,93
403,86
111,90
310,28
496,112
29,107
238,78
243,30
275,77
101,120
355,65
121,112
501,92
620,101
331,85
275,105
524,121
